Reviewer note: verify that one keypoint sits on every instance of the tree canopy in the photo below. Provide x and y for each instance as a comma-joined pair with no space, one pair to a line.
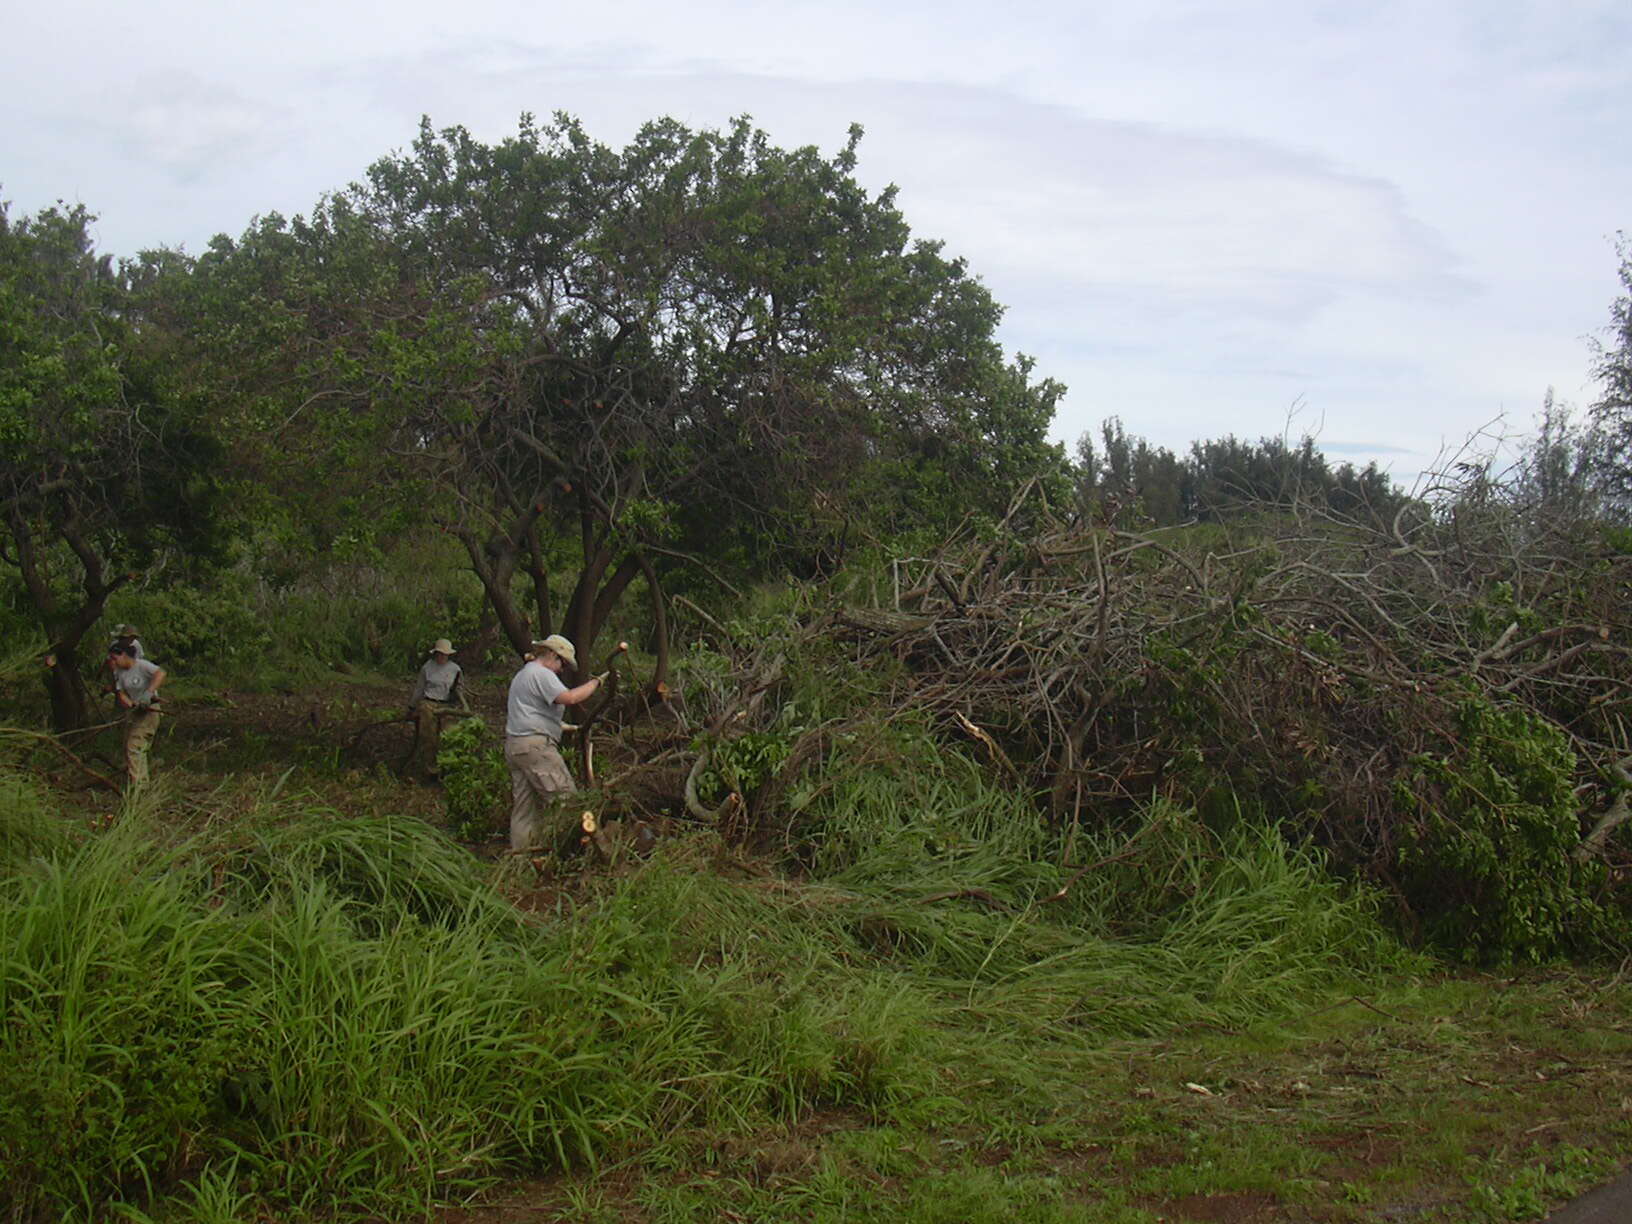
101,463
700,343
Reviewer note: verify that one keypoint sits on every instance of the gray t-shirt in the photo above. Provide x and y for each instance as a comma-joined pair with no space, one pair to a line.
136,681
436,681
532,709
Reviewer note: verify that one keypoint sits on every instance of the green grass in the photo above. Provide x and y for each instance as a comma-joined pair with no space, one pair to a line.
251,1004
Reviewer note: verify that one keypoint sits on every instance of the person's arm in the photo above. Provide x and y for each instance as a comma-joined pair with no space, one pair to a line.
459,691
153,685
576,696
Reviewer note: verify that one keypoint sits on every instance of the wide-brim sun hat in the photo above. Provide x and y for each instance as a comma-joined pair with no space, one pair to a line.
123,630
442,646
560,646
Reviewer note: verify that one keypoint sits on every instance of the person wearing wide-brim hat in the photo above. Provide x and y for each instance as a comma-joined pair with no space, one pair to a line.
532,741
437,692
125,635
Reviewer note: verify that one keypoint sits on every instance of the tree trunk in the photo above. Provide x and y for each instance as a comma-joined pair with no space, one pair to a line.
541,583
70,699
494,575
660,628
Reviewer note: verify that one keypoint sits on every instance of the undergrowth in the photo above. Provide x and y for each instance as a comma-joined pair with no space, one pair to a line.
299,1012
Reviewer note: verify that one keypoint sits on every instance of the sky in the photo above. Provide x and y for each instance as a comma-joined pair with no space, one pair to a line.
1388,225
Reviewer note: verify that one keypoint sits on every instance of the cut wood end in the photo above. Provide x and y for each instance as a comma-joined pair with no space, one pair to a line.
589,822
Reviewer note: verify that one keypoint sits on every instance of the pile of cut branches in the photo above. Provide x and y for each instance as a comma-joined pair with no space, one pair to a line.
1358,679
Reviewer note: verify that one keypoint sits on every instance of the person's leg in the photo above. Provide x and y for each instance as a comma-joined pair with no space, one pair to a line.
427,735
523,816
139,733
555,786
545,775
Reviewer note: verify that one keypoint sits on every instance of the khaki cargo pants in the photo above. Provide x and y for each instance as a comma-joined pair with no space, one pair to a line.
141,725
538,780
428,733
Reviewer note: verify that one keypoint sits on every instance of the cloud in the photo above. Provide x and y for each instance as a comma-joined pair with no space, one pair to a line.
191,127
1052,204
1158,219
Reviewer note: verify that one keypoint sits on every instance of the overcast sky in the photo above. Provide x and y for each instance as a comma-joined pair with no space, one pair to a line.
1397,217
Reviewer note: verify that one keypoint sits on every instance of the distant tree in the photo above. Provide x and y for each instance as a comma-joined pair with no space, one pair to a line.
1561,470
1129,472
99,464
1612,413
1223,477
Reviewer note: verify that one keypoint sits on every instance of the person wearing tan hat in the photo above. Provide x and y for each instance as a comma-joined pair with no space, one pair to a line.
532,740
435,693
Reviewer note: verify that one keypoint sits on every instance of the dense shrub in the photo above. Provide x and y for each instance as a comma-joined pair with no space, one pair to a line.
1485,860
475,781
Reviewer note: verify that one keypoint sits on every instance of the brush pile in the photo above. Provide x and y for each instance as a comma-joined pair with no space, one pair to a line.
1438,698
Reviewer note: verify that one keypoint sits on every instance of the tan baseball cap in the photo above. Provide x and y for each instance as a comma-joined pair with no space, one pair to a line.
561,647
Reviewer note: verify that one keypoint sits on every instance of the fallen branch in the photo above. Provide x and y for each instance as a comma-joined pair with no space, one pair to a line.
51,741
1612,818
991,745
1125,852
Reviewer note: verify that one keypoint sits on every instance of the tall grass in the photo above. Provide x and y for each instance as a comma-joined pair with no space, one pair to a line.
306,1013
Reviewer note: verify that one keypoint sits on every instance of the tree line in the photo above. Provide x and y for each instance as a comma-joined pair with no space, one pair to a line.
599,371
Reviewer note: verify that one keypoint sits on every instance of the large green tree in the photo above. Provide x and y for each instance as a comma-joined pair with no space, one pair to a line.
100,465
701,344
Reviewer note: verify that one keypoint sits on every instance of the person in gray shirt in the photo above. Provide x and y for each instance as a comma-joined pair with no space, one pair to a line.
435,693
123,635
136,687
532,741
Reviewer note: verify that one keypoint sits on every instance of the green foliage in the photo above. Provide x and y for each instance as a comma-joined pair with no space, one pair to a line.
486,335
102,454
1553,1174
277,612
1486,859
1612,414
745,761
188,625
1223,479
475,781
